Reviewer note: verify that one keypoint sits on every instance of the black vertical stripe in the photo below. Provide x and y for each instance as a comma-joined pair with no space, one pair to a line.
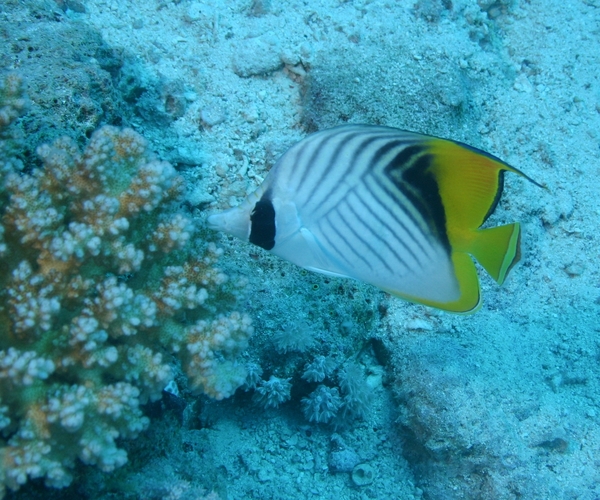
409,171
396,169
420,176
497,197
262,223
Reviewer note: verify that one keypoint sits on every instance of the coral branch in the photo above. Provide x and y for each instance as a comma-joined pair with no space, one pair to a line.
98,266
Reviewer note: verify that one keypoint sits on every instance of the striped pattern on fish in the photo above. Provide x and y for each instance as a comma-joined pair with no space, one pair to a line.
373,203
353,196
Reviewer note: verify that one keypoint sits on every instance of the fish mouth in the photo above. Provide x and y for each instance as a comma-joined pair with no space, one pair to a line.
234,221
215,221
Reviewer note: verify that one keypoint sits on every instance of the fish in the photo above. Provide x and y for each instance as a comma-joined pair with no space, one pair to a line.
399,210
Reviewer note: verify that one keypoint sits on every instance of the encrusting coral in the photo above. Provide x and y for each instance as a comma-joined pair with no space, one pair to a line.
102,279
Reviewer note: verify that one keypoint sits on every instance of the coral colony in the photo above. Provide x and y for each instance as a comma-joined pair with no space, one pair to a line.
105,289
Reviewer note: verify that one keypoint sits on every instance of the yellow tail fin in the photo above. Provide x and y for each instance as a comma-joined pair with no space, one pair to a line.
497,249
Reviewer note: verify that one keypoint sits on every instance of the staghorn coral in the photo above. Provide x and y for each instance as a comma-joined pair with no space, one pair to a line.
101,279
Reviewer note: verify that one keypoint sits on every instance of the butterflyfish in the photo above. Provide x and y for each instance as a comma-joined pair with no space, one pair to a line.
399,210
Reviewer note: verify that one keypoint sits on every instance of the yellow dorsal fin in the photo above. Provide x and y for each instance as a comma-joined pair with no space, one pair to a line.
470,183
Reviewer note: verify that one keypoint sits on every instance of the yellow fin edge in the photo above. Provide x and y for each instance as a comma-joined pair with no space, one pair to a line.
468,282
497,249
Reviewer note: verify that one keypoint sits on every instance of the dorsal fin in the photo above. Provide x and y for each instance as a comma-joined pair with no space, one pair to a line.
470,182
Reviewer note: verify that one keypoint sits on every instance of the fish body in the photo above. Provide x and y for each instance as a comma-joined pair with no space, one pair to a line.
392,208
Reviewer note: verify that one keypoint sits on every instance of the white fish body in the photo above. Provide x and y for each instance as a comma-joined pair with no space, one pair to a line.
361,202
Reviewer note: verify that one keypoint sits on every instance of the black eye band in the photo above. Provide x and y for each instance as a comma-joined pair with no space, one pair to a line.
262,228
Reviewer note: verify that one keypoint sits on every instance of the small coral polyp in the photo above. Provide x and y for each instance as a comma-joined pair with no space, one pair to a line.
101,275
